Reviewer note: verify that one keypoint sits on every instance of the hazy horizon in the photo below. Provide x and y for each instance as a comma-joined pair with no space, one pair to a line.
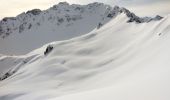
140,7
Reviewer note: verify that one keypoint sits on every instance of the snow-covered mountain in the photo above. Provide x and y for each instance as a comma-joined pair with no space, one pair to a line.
122,57
60,22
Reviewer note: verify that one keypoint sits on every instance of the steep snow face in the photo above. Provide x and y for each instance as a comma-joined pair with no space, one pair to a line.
63,21
10,64
125,58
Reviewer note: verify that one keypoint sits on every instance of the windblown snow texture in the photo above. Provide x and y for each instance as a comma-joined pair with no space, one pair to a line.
126,58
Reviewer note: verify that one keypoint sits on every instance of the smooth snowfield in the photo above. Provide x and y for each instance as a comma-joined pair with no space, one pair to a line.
122,61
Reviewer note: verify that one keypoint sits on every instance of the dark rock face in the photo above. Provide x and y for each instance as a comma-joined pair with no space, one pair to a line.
99,25
133,18
34,11
1,30
63,3
113,12
48,50
157,17
6,75
22,27
8,18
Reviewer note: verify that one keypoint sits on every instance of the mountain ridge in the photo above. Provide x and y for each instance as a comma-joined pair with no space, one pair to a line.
21,23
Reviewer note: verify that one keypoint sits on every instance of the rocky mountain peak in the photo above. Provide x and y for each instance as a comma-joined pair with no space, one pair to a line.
64,12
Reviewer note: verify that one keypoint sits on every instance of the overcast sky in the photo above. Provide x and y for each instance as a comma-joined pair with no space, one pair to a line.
140,7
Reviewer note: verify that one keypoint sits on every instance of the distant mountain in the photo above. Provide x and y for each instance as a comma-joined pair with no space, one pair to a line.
62,21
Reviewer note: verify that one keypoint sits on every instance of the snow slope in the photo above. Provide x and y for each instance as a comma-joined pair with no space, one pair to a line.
32,29
122,61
